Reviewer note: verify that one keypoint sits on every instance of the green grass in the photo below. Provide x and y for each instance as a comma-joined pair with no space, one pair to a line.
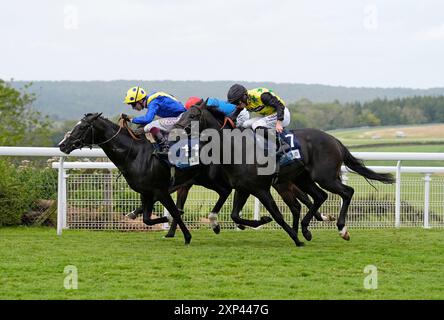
233,265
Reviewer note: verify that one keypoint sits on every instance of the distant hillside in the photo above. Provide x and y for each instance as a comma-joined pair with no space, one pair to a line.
71,99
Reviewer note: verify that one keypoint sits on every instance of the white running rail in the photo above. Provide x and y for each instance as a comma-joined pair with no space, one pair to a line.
63,166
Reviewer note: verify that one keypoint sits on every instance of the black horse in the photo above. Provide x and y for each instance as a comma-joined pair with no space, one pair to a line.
216,181
150,177
323,156
144,172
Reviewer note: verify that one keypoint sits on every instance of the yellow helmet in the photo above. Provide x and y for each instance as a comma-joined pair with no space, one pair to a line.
134,94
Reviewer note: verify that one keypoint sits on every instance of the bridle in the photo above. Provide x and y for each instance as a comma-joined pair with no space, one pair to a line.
79,142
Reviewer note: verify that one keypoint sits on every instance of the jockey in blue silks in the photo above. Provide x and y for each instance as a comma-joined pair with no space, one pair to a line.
227,108
160,104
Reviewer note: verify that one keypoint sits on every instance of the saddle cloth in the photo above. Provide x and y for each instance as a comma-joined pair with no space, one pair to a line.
292,154
184,153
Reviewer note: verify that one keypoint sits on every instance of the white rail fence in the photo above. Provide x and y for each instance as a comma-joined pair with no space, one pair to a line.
97,200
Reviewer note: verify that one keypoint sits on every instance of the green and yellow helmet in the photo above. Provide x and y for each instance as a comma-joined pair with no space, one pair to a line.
134,94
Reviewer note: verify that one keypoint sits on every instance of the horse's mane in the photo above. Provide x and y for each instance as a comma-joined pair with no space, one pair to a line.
142,137
219,115
95,113
101,117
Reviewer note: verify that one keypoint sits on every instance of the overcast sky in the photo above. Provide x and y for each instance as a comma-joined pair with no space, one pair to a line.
391,43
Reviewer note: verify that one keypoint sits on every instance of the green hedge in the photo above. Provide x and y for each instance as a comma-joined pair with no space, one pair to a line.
20,187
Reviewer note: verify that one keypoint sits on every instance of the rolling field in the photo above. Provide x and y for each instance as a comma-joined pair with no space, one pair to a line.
233,265
423,138
428,132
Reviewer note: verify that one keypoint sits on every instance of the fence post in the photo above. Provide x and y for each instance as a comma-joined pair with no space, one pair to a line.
256,212
60,197
427,180
398,196
257,209
166,213
64,200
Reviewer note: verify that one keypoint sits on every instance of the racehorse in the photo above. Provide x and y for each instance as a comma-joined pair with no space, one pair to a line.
322,156
145,173
150,176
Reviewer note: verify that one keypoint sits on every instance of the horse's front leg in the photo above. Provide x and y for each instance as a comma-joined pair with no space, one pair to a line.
148,204
286,193
182,195
165,198
223,193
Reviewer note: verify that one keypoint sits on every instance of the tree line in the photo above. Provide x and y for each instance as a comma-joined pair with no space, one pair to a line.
22,125
378,112
64,100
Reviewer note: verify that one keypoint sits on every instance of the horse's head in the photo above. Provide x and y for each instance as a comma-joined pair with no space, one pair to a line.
81,135
208,117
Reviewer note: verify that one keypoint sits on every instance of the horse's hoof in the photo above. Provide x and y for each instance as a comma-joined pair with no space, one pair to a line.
329,217
307,235
344,234
216,229
241,227
131,215
299,244
266,219
169,235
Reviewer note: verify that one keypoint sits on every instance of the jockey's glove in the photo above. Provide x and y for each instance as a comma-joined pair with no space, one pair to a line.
125,117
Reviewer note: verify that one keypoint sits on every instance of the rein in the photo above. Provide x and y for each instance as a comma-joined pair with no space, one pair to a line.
115,135
122,124
230,121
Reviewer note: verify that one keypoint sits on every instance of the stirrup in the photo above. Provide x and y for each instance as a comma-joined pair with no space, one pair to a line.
276,173
162,149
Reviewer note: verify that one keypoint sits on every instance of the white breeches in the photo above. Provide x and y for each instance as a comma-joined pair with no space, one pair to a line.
165,124
268,121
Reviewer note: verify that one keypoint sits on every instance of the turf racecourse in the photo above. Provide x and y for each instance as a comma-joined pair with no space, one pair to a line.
248,264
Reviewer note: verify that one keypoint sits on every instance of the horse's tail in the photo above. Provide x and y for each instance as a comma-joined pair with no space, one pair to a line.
358,166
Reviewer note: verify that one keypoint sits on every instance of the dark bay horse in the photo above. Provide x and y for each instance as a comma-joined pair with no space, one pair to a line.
150,177
144,172
323,156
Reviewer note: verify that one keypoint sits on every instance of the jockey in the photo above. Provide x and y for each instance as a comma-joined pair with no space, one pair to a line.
274,113
227,108
160,104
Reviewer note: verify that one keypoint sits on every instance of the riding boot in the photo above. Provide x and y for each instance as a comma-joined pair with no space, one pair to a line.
283,148
161,141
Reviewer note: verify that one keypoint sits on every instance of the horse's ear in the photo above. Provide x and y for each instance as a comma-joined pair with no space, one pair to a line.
203,105
96,116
